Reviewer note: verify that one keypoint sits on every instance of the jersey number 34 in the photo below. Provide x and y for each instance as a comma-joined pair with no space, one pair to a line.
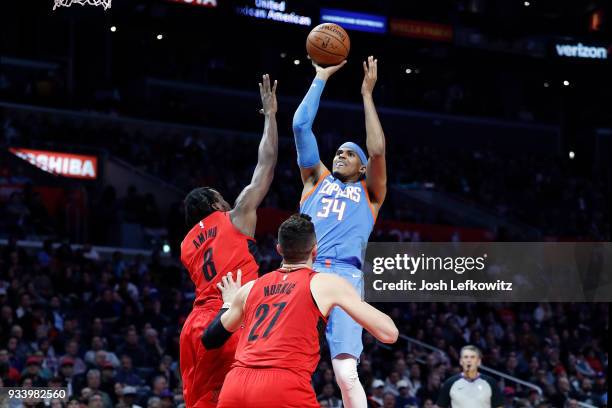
332,205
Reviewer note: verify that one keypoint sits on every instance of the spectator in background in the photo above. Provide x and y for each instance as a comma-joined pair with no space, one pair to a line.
72,355
404,399
131,347
328,398
94,382
127,397
126,373
391,384
375,399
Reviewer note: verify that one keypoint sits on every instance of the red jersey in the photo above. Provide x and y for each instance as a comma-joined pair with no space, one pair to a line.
281,324
212,248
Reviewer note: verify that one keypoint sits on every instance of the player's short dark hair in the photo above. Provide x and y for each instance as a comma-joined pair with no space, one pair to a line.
296,236
470,347
198,205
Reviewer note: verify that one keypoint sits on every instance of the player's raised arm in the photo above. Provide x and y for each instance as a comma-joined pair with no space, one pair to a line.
331,290
376,171
310,164
244,214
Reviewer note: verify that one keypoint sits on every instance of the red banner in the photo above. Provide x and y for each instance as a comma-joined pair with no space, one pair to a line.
421,29
63,164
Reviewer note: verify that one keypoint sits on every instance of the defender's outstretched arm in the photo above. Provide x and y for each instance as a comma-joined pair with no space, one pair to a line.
244,214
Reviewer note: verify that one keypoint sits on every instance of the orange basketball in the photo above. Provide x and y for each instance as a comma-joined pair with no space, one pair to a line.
328,44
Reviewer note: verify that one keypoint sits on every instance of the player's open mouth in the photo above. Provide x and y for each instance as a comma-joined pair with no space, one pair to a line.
340,164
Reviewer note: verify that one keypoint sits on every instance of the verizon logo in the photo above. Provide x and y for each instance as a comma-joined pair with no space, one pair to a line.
581,51
64,164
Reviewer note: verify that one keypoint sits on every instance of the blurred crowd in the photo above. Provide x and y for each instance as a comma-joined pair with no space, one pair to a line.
538,189
108,330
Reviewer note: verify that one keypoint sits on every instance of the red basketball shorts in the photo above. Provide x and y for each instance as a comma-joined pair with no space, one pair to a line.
266,388
203,371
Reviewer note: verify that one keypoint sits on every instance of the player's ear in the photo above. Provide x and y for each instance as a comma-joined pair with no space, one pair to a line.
279,249
362,170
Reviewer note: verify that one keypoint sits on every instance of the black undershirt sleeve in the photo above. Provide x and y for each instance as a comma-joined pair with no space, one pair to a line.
215,334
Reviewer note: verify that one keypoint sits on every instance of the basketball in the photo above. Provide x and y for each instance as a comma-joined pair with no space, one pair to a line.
328,44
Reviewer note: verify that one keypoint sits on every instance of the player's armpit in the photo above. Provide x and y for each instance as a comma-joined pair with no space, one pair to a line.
330,290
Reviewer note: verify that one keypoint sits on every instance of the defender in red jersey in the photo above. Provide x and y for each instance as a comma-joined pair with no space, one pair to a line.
279,346
221,240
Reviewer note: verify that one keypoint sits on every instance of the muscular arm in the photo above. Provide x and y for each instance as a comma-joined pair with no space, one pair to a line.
376,171
331,290
244,213
310,164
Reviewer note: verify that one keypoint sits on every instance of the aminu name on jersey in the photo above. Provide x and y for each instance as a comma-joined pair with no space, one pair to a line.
204,235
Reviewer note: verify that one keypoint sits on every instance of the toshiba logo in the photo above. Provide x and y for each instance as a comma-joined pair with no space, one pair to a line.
64,164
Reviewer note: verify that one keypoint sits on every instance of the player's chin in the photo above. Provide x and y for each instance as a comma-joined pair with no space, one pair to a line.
339,174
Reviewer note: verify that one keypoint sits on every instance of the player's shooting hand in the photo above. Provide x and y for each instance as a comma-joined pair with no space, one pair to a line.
229,287
370,74
325,73
268,96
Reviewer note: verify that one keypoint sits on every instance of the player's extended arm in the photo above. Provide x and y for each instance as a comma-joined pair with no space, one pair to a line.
376,172
310,164
331,290
244,214
227,321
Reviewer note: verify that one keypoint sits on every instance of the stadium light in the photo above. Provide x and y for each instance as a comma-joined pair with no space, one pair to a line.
546,84
296,62
166,248
160,36
566,82
113,29
572,155
526,4
408,70
283,54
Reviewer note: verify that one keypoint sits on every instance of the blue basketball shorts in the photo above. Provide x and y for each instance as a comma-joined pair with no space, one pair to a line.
343,333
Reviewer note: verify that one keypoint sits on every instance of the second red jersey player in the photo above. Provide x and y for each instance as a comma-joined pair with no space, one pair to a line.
279,345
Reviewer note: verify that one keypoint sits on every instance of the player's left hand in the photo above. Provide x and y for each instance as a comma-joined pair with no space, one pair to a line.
370,74
268,96
229,287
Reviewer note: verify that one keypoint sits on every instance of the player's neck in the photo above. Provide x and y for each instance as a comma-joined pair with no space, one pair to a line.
294,266
470,375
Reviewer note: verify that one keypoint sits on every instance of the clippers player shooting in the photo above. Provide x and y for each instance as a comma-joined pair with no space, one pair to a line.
280,312
343,206
221,240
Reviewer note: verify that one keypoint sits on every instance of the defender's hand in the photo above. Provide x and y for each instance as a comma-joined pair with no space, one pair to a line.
229,287
370,74
268,96
325,73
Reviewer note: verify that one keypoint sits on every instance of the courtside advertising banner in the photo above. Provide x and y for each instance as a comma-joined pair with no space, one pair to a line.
489,272
200,3
63,164
421,29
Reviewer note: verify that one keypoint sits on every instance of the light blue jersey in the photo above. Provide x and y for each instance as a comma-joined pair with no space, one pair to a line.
343,219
